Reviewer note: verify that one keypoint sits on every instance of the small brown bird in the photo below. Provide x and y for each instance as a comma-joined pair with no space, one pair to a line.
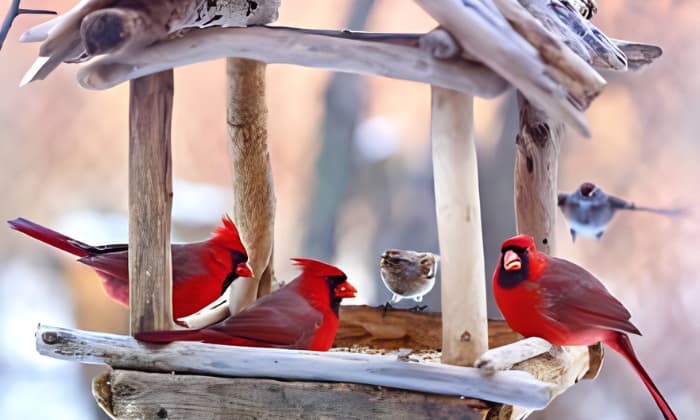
408,274
589,210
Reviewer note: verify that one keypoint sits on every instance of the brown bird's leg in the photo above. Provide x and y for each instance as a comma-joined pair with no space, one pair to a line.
418,308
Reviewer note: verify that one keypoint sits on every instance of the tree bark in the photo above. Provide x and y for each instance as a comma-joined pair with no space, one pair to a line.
150,202
254,196
536,175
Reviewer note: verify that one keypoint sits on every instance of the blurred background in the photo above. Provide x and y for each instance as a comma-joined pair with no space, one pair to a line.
352,168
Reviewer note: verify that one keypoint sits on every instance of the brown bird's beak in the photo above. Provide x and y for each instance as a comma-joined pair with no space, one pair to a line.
345,290
244,270
511,261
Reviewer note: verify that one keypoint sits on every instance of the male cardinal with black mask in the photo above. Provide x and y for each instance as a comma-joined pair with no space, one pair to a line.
202,271
557,300
301,315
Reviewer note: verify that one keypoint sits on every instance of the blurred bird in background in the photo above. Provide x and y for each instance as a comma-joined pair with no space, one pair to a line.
408,274
589,210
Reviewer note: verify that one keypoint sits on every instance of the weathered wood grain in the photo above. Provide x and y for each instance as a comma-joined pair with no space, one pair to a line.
638,54
464,324
141,395
253,191
371,327
133,394
485,34
561,366
123,352
566,67
122,26
505,357
283,45
570,24
536,175
150,202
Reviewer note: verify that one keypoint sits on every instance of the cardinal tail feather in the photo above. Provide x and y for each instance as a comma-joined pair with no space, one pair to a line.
51,237
621,344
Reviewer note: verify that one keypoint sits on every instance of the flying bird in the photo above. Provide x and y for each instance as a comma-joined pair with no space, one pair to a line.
589,210
408,274
301,315
559,301
202,271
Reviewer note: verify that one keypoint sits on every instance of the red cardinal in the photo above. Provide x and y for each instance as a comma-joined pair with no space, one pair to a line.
201,271
554,299
301,315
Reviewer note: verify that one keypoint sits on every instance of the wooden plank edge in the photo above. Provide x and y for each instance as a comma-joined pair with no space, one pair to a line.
123,352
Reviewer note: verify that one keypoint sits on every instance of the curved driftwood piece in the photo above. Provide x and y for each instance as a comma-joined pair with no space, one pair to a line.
141,395
560,17
123,352
464,322
638,54
485,34
560,366
567,68
289,46
100,26
395,329
253,191
536,174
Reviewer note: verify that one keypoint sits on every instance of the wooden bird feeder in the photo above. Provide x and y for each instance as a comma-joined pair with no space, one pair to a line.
547,49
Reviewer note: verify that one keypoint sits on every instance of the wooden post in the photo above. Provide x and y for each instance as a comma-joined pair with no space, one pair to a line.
150,201
254,196
464,324
536,173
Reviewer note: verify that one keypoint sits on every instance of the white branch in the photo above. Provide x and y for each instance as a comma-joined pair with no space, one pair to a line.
282,45
122,352
505,357
485,34
464,325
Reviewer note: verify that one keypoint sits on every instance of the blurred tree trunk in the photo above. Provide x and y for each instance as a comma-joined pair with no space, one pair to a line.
343,105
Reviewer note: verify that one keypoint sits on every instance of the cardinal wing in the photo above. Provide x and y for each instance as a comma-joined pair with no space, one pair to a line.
114,263
576,299
281,319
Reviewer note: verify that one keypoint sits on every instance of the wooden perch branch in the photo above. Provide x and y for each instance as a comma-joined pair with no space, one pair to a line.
463,287
282,45
254,196
120,26
401,328
150,202
485,34
560,366
567,68
566,21
123,352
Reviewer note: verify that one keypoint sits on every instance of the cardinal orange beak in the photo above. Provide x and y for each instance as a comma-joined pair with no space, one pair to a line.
511,261
244,270
345,290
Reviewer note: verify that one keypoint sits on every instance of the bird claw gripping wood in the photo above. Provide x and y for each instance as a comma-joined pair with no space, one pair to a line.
12,14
